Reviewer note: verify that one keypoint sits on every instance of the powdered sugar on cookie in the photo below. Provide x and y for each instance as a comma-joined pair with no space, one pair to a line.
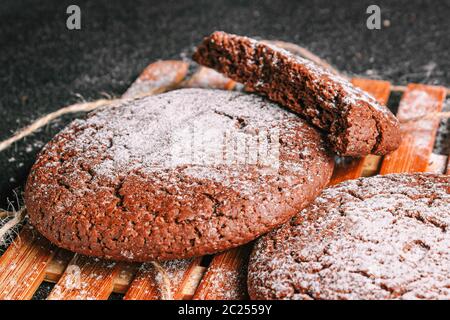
384,237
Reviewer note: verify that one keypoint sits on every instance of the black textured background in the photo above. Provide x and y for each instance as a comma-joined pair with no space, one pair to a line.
44,66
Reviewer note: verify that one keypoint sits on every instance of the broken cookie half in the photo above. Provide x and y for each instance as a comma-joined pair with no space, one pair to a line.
355,123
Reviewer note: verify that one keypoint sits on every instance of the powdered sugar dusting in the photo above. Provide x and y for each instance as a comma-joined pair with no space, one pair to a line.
384,237
227,284
198,132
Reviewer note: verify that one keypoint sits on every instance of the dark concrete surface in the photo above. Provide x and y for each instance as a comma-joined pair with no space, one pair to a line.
44,66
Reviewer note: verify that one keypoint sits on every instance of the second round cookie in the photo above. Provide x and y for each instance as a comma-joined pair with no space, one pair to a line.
383,237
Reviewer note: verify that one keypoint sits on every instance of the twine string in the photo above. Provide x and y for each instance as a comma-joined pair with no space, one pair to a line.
17,218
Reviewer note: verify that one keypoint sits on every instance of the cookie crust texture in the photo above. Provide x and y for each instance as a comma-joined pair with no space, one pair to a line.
177,175
384,237
355,123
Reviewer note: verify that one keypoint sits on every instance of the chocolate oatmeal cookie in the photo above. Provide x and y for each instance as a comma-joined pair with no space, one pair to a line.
356,124
384,237
177,175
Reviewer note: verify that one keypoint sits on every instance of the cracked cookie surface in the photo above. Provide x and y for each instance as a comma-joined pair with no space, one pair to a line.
384,237
177,175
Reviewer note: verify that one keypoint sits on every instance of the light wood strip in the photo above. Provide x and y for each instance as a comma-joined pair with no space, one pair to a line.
126,275
418,136
86,278
226,276
167,280
57,265
371,165
347,169
209,79
158,77
22,266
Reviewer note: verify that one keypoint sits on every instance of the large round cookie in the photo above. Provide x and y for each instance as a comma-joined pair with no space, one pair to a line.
181,174
385,237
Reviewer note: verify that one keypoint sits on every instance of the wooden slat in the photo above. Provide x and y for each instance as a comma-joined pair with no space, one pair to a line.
232,262
226,276
371,165
22,266
418,136
57,265
158,77
347,169
126,275
167,280
55,269
86,278
210,79
379,89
